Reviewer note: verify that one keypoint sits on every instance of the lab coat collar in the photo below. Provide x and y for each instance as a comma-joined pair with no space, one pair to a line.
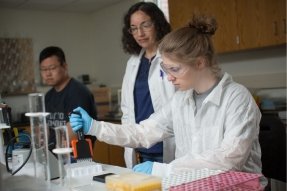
215,95
188,98
157,56
138,58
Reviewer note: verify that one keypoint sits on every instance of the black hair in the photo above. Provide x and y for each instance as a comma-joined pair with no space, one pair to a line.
52,51
162,27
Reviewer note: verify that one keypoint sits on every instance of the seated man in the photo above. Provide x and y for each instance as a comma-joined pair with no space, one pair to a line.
66,92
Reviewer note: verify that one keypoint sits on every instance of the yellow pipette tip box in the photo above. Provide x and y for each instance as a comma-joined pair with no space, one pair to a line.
133,182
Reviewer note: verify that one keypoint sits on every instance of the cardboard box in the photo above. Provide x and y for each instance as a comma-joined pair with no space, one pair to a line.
103,99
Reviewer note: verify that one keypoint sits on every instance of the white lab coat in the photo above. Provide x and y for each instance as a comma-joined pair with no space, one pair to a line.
222,135
161,90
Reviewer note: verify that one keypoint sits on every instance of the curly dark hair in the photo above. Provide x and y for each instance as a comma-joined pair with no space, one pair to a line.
162,27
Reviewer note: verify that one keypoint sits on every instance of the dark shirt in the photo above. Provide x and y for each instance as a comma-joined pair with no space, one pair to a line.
143,102
60,104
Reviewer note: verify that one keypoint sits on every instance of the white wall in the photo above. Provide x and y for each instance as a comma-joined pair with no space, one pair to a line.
110,61
260,68
92,42
69,31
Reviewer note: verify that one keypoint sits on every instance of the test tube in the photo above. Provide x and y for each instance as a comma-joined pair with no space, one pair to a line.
39,135
63,151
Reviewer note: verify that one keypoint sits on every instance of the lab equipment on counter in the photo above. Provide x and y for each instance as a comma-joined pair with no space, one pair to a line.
133,182
24,165
5,123
230,180
84,168
19,156
183,177
102,177
63,151
2,158
37,114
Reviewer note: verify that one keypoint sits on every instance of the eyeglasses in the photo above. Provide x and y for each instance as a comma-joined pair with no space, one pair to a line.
176,71
49,69
145,27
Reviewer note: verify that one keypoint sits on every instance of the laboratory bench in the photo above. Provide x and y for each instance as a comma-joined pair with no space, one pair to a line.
30,183
272,139
189,179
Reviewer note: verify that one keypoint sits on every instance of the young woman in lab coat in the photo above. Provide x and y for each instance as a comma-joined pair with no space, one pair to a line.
215,120
145,88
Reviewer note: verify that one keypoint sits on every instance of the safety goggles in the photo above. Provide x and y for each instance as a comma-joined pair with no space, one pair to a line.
176,71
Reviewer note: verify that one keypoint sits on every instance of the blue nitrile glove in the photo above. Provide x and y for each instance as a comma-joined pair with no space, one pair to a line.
145,167
80,121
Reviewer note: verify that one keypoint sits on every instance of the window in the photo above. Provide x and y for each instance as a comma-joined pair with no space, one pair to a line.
163,5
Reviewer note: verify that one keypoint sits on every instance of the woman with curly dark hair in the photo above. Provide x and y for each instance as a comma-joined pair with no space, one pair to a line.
145,88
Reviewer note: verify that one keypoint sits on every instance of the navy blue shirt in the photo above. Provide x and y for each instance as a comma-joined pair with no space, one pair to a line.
143,103
60,104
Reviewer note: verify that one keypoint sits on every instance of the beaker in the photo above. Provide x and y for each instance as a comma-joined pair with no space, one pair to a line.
39,135
63,151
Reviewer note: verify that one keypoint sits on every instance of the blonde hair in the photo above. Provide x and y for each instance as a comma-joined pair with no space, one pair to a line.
188,43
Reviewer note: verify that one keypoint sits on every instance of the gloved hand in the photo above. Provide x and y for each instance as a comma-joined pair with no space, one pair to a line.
80,121
145,167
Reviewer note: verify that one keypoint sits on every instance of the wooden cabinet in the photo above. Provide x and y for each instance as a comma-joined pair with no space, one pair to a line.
261,23
279,21
224,10
282,36
242,24
108,154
